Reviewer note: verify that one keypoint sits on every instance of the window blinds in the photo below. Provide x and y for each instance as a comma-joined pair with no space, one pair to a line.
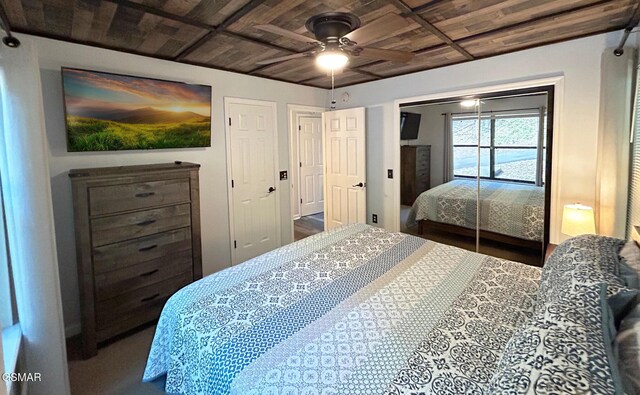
633,206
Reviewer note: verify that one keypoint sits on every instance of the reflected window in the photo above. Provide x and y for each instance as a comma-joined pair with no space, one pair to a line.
509,146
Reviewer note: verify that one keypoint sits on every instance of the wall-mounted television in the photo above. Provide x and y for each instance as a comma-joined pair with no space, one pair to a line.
409,125
107,112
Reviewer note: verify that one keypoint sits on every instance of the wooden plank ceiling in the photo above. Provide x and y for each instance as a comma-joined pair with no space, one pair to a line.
221,34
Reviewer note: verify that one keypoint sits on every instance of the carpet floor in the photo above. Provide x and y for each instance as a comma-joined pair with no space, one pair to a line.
117,369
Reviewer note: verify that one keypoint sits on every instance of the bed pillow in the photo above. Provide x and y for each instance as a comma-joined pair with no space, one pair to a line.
566,348
630,264
623,302
582,260
628,346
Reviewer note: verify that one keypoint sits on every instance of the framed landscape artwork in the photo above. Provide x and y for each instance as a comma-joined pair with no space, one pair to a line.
107,112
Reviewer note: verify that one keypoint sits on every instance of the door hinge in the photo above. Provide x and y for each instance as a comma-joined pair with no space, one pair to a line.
232,184
300,201
229,121
235,244
299,127
300,164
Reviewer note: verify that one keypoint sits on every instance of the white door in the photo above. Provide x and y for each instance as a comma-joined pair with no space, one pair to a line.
311,169
345,173
253,180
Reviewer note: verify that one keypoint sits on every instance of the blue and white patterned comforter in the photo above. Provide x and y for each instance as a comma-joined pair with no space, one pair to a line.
507,208
356,310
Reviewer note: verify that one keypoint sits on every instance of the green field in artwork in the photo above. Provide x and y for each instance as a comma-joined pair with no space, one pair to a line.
90,134
113,112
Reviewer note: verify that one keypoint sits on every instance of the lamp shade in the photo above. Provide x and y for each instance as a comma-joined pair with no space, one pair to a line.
578,219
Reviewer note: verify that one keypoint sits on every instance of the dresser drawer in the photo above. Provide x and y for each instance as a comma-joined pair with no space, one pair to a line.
118,282
126,197
131,252
126,306
114,228
150,313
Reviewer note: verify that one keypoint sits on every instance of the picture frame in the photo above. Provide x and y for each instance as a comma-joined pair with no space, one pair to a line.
111,112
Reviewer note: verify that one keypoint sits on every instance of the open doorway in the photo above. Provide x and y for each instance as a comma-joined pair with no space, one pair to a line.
307,184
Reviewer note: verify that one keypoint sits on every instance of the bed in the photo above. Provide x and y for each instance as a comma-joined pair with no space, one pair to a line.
355,310
510,212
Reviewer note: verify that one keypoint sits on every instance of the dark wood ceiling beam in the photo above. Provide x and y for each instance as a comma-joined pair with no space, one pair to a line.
191,22
318,78
506,28
194,45
266,66
244,10
417,52
359,71
431,28
167,15
134,52
423,7
264,43
368,73
534,21
356,69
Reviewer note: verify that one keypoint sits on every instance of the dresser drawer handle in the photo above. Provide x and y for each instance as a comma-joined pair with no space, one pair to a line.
146,222
149,273
148,298
145,194
151,247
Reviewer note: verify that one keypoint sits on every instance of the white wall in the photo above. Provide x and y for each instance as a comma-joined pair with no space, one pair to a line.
213,174
431,130
617,96
29,218
576,135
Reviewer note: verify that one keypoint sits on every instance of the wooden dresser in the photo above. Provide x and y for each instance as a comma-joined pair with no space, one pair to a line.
415,172
137,242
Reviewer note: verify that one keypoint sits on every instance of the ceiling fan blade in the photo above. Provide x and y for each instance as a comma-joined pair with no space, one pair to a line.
286,33
283,58
387,54
383,26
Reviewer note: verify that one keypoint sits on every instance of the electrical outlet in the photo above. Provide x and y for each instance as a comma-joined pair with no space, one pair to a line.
389,173
283,175
374,218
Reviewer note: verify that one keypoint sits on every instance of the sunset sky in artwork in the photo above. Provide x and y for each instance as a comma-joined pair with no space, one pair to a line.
90,93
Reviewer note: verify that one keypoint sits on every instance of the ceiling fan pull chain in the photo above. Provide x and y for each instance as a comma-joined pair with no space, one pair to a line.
333,101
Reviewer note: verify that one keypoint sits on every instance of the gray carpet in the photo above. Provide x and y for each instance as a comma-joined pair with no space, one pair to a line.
404,214
117,369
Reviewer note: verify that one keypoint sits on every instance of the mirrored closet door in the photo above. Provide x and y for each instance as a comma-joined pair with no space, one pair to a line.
475,172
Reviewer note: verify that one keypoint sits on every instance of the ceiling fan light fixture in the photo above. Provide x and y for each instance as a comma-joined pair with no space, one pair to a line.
332,59
468,103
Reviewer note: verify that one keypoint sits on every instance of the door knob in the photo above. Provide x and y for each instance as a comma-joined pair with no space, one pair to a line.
358,185
271,189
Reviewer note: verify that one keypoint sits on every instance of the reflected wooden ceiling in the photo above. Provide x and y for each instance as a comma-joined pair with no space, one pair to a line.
220,33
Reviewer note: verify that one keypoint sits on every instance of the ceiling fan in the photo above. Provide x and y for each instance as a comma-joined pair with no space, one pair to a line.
339,36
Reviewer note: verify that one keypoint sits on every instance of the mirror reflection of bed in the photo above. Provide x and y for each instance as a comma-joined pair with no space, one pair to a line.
443,179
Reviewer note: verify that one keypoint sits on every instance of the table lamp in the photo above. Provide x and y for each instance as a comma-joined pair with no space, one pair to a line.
578,219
